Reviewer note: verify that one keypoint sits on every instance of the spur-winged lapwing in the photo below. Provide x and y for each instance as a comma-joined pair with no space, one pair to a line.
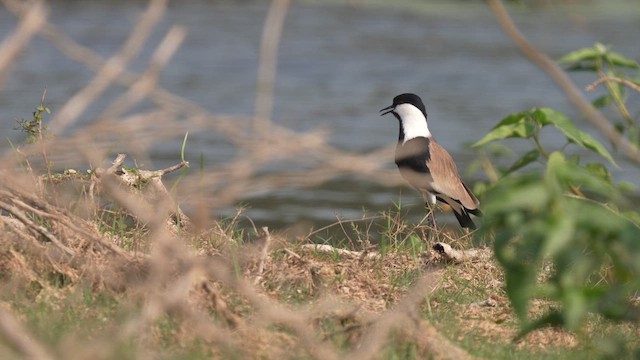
425,164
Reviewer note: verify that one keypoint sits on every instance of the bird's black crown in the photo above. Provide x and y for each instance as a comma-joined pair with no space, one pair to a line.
412,99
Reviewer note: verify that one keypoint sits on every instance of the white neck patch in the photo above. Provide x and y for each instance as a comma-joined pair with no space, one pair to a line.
413,122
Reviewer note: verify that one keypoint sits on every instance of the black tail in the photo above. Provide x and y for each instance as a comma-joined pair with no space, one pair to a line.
475,212
464,219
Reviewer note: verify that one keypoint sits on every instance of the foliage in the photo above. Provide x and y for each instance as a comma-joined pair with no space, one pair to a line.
34,128
616,72
566,234
527,125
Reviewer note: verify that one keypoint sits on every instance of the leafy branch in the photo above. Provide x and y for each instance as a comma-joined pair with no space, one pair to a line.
33,127
528,124
610,67
568,234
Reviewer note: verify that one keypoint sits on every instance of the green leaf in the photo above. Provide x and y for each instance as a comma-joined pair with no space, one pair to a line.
602,101
575,308
528,158
601,48
521,193
555,164
552,318
573,159
540,117
600,171
556,118
577,176
560,233
512,119
634,135
520,288
618,59
594,145
580,55
564,124
582,67
512,126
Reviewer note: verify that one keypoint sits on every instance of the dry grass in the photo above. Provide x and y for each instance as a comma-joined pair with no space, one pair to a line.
106,265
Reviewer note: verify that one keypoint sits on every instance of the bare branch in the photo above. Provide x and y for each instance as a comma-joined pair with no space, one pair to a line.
459,256
631,85
271,34
20,215
111,69
32,20
146,83
325,248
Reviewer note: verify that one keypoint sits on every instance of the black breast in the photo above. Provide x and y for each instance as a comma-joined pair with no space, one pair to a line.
413,155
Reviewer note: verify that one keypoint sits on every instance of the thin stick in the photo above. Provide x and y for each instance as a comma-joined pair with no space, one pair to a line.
267,69
111,70
146,83
325,248
13,210
32,20
221,307
631,85
292,253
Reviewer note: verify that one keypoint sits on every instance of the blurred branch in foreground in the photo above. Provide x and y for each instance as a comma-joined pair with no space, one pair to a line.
31,23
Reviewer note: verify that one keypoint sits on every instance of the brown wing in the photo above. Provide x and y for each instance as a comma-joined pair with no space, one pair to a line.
446,179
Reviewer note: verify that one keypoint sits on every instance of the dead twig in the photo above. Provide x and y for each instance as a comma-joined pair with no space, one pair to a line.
155,191
111,69
30,224
32,20
292,253
221,307
267,68
630,84
459,256
325,248
146,83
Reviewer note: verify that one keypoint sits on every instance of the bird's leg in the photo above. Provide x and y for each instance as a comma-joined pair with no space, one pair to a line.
430,205
431,216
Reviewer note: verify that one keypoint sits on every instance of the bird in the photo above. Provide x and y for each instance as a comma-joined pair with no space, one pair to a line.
426,165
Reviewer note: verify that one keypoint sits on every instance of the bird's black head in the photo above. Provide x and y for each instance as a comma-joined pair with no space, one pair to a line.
406,98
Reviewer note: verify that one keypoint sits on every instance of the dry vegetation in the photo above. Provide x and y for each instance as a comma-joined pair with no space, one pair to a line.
105,264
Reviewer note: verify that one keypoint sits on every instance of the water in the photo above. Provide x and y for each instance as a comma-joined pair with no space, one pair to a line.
338,65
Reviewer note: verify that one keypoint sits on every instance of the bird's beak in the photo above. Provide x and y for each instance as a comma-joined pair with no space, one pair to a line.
386,110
